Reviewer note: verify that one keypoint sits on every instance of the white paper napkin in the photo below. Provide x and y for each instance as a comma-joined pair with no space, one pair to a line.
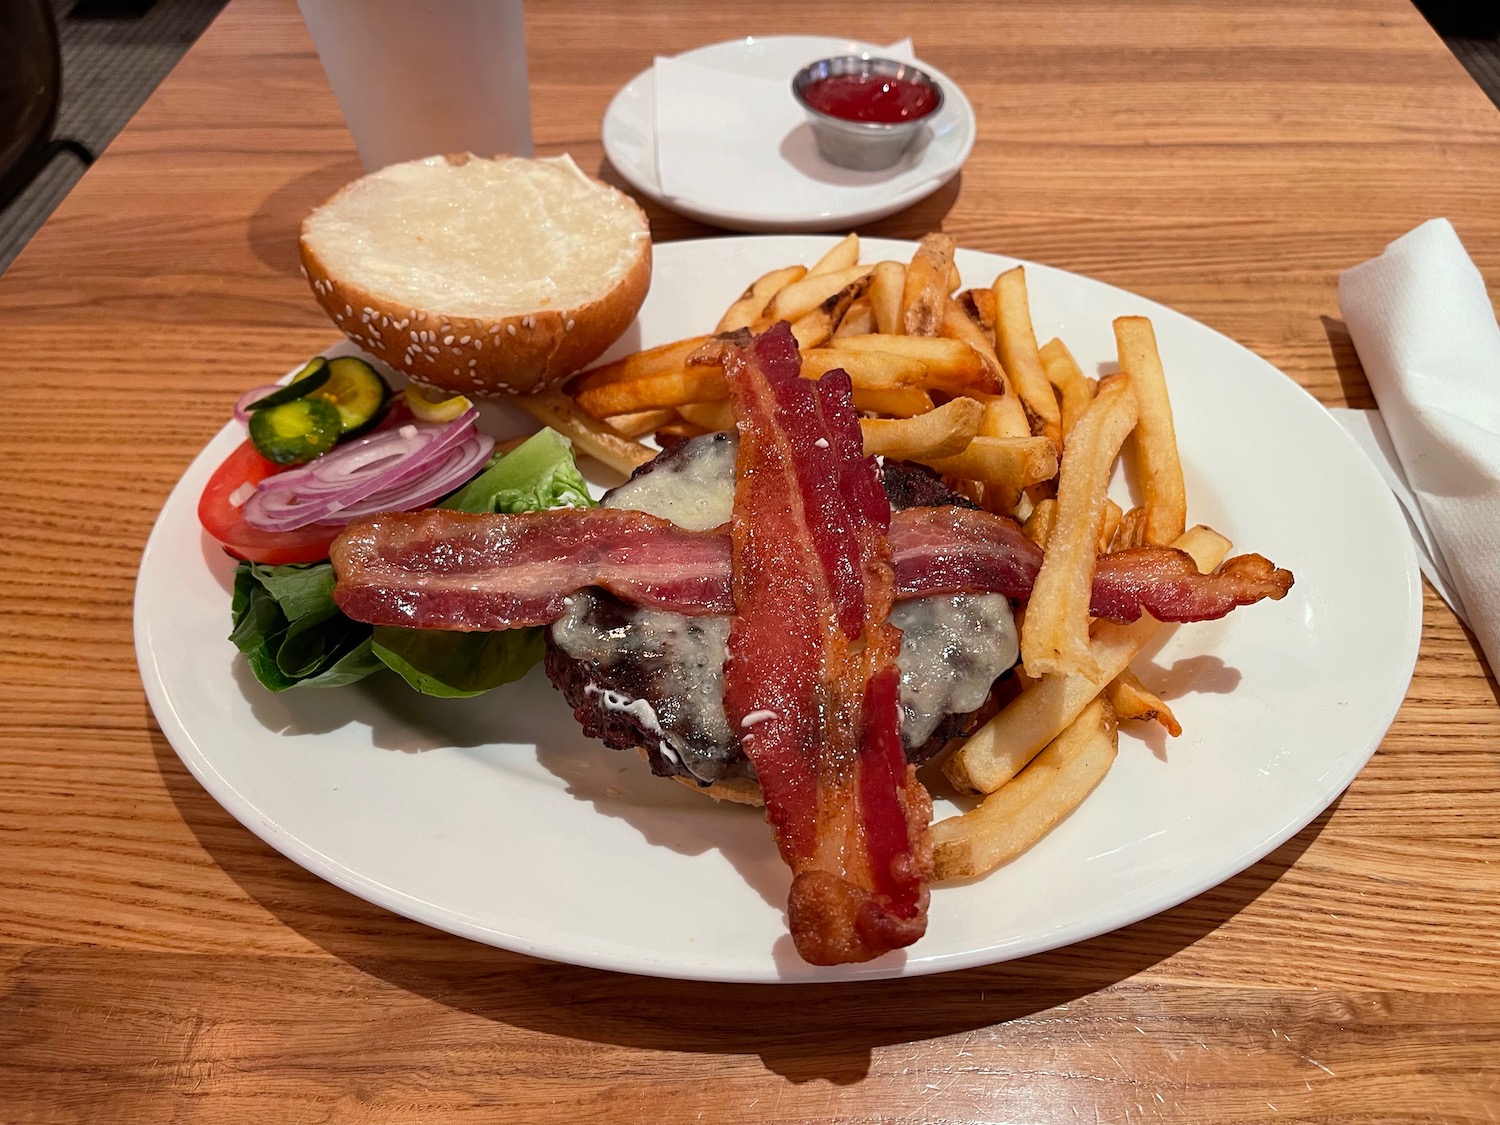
723,136
1426,334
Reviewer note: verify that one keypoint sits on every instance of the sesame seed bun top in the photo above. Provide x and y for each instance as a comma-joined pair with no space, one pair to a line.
480,275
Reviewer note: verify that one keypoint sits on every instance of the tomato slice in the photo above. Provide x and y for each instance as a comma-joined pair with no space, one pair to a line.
224,521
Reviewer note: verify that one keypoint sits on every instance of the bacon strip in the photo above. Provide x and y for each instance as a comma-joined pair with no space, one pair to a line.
1166,583
810,679
953,550
453,570
449,570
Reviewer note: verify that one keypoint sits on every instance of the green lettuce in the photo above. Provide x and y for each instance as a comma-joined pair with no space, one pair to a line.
294,635
456,665
538,474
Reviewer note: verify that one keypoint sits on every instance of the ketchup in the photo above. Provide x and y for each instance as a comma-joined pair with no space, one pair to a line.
871,97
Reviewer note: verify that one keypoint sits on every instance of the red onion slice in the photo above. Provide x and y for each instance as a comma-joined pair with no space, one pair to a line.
460,463
242,407
389,470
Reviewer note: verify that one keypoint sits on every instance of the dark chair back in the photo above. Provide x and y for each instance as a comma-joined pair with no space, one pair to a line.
30,90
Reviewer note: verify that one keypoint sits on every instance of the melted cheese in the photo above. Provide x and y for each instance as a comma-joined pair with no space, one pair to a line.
953,648
694,488
683,657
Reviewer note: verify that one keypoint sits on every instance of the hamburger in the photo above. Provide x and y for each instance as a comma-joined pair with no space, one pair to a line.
772,616
651,680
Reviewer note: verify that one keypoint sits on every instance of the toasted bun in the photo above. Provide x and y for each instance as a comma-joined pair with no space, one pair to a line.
738,790
488,276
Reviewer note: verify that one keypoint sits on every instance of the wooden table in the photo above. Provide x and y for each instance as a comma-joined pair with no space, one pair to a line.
158,962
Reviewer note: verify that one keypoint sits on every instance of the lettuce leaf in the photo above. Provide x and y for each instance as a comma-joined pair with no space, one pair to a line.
538,474
294,635
458,665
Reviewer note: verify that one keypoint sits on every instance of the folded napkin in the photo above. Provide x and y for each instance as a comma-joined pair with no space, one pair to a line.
732,138
1426,334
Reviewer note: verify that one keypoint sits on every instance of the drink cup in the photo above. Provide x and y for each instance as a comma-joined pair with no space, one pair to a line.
416,78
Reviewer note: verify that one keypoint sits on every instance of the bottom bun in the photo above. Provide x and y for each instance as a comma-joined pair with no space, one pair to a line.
739,790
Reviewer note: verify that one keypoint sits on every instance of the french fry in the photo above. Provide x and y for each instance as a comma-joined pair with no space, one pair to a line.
814,328
957,325
638,365
641,422
871,370
893,402
1155,435
555,409
843,255
1016,816
754,301
1056,639
943,432
1131,532
678,430
1007,462
971,490
925,293
711,416
950,366
1015,340
999,749
1039,524
1074,388
887,283
1108,526
652,392
801,297
980,305
1003,417
859,319
1132,699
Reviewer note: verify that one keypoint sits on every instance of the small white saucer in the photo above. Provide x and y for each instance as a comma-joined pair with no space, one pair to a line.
802,192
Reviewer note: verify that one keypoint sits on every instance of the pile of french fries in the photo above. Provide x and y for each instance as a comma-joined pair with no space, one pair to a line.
954,378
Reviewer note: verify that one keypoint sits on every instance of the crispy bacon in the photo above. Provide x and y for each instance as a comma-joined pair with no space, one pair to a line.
1167,584
950,550
810,679
448,570
451,570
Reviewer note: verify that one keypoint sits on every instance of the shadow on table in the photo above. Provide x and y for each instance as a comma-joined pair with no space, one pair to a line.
802,1032
1356,386
273,230
909,223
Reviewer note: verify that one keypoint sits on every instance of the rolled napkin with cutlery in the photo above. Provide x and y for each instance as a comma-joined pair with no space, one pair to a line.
1424,328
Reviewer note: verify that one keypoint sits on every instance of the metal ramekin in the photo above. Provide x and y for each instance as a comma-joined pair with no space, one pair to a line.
863,145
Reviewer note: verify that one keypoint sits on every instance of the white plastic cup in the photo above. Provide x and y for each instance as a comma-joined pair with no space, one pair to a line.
417,78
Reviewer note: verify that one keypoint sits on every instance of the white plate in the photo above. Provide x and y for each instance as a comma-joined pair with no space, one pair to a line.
810,194
495,819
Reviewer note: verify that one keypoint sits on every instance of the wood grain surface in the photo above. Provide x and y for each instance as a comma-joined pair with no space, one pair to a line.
159,963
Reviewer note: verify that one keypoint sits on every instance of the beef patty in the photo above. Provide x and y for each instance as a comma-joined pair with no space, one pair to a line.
648,678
